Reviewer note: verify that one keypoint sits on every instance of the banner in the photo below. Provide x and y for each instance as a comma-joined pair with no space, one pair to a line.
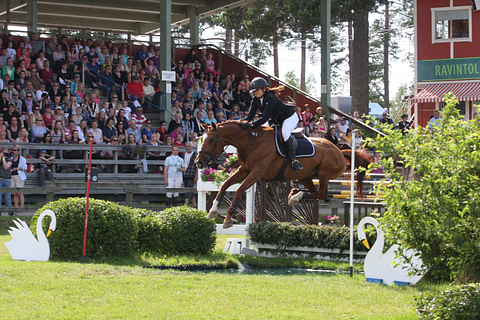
448,69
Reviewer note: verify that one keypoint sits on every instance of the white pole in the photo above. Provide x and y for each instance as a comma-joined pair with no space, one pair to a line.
249,211
352,199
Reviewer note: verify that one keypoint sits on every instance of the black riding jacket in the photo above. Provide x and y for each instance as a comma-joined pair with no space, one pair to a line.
272,108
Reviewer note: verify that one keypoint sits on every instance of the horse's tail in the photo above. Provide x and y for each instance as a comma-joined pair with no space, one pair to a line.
362,160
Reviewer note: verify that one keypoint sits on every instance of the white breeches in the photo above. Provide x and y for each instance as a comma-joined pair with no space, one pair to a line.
288,126
174,183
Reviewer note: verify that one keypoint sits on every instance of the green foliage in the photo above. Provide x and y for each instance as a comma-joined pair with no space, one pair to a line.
436,212
112,230
460,303
285,235
177,230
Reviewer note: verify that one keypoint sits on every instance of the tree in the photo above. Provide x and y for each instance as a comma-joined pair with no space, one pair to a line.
436,212
357,11
291,78
303,20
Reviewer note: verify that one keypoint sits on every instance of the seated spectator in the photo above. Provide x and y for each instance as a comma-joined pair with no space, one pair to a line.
38,130
385,119
58,135
147,132
342,126
139,117
201,108
45,171
108,154
315,133
74,154
358,139
162,132
332,135
69,130
107,81
135,131
14,130
148,91
109,132
91,76
46,74
23,136
187,126
211,119
404,125
153,155
197,124
220,117
48,117
96,132
135,89
210,65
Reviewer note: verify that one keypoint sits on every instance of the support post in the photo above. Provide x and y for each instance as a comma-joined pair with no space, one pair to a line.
7,19
325,53
166,46
194,18
32,16
352,202
249,210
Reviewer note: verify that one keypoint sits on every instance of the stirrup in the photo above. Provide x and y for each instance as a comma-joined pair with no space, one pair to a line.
297,166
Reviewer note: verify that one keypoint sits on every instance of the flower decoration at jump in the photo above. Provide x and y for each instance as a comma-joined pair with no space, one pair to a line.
332,219
220,175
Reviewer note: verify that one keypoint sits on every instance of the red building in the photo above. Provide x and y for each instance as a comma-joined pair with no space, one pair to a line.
447,51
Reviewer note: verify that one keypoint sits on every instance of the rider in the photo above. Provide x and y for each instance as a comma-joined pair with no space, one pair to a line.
273,109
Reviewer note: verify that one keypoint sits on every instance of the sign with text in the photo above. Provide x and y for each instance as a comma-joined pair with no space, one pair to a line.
168,75
448,69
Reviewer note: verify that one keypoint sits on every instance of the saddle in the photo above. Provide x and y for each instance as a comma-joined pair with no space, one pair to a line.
304,147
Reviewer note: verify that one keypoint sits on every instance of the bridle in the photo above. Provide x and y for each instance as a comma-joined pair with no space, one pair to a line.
210,155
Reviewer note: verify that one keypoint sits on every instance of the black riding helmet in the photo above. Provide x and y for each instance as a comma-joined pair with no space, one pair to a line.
258,83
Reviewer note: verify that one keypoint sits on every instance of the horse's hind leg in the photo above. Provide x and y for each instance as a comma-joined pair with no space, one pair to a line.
236,177
323,190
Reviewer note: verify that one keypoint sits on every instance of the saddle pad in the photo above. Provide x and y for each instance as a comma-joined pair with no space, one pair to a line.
305,147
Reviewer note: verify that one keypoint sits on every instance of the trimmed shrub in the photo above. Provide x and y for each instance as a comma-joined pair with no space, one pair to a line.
460,303
112,229
177,230
288,235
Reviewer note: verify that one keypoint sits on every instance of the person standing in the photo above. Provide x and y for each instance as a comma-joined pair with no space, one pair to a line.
190,173
19,167
5,179
173,175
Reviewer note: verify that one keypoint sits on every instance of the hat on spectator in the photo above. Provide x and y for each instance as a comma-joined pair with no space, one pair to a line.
77,75
58,108
15,93
185,101
180,61
135,77
11,82
43,151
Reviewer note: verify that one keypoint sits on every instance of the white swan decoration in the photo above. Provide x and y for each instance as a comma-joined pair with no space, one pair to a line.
24,246
385,267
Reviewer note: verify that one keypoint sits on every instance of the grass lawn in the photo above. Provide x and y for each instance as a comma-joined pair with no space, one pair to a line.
70,290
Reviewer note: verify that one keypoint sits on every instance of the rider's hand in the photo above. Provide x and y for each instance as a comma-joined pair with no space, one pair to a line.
245,125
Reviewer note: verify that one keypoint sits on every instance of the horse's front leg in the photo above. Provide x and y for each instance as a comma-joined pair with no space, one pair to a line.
237,177
247,183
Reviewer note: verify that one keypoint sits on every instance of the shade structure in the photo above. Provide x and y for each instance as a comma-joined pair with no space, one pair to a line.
434,92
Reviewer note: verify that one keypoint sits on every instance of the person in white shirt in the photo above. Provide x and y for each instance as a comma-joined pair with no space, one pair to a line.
97,132
148,92
174,168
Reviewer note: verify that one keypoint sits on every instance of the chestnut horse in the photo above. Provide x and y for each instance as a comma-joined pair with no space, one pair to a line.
258,159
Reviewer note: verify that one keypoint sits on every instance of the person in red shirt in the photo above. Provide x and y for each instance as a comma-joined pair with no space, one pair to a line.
135,89
162,131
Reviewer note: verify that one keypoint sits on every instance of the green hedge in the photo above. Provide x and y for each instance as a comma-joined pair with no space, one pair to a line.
286,235
112,229
177,230
115,230
459,303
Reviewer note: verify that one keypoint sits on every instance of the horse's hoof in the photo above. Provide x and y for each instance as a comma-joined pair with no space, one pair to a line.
212,214
294,199
227,224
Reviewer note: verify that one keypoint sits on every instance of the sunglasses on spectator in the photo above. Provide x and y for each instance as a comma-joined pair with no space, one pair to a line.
15,150
149,122
90,136
114,139
29,96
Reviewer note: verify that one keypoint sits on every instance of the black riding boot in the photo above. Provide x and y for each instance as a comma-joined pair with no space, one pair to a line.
297,166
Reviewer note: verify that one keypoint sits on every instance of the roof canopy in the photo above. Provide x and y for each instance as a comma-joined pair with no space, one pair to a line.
129,16
434,92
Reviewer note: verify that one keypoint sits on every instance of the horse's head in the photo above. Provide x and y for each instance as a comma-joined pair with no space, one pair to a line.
212,147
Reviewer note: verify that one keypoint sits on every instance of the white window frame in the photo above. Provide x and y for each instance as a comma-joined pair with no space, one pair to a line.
434,31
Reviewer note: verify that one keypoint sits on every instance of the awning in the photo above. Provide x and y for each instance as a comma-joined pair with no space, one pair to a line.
464,91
